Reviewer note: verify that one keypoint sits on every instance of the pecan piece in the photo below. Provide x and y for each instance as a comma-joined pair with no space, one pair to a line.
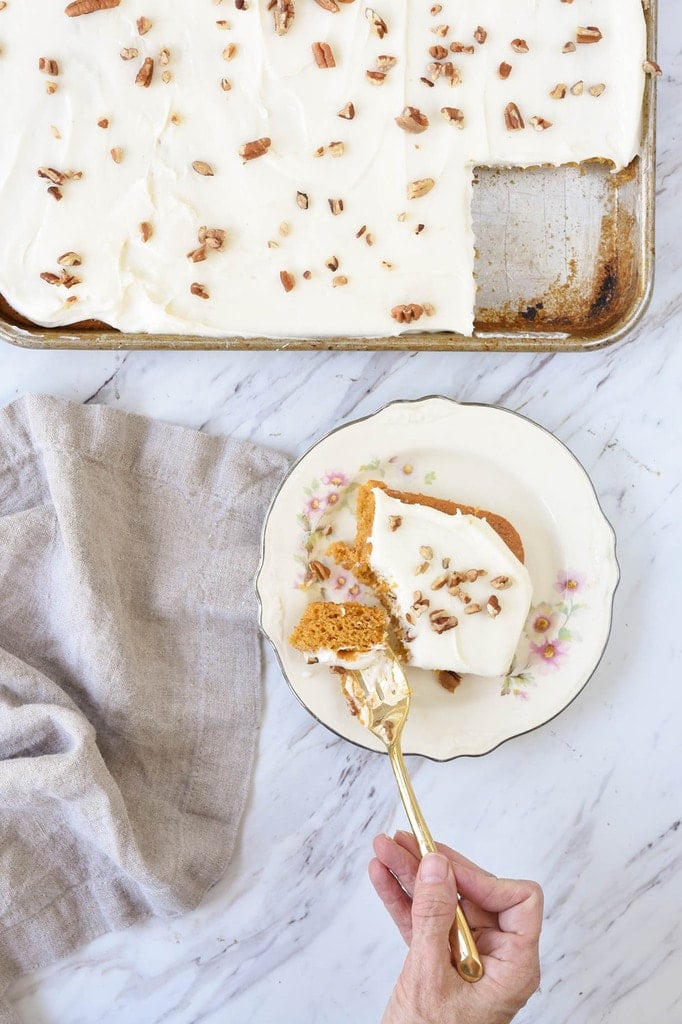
146,73
420,187
347,112
288,283
441,622
324,58
377,23
453,115
650,67
318,570
79,7
199,290
448,680
407,314
493,607
412,120
588,34
201,167
512,118
48,66
283,12
252,150
70,259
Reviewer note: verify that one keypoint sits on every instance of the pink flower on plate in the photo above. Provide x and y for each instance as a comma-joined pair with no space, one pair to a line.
314,506
569,581
542,620
335,477
549,656
331,499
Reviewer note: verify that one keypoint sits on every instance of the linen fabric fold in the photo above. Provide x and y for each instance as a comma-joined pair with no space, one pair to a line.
129,668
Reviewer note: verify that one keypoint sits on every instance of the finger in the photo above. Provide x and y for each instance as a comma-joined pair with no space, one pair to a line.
393,898
476,916
517,903
434,904
399,861
408,842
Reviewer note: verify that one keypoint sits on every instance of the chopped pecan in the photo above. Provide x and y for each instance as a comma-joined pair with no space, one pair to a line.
347,112
48,66
420,187
283,12
324,58
512,118
288,282
199,290
377,23
412,120
201,167
407,313
453,115
70,259
146,73
588,34
79,7
441,621
252,150
448,680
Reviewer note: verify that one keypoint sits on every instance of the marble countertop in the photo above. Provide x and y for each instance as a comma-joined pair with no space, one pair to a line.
588,805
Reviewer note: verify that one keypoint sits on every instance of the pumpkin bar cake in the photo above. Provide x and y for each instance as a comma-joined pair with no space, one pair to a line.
451,576
289,168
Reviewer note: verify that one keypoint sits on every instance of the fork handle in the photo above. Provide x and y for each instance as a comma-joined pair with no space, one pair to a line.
465,955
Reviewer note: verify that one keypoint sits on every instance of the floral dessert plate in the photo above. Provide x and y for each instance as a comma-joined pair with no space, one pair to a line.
477,455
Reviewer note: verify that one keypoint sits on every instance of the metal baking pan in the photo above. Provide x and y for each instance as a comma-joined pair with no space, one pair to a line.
565,263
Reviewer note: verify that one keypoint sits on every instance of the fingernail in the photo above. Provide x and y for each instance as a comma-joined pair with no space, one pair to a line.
402,832
433,868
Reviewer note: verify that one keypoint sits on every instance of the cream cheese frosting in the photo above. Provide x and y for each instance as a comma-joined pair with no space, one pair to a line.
144,120
460,595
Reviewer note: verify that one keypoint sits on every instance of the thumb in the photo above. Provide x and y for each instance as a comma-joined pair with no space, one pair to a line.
434,905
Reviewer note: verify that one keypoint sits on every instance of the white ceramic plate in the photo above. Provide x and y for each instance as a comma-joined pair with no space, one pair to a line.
477,455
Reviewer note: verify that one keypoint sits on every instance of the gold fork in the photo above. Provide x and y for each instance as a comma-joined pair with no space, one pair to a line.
381,696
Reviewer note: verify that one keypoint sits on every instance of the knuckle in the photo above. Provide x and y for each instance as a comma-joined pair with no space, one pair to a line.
431,904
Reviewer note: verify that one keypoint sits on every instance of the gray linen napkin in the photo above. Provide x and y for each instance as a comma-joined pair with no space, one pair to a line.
129,668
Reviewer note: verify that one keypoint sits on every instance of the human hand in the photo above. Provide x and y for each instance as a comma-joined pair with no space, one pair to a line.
505,917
